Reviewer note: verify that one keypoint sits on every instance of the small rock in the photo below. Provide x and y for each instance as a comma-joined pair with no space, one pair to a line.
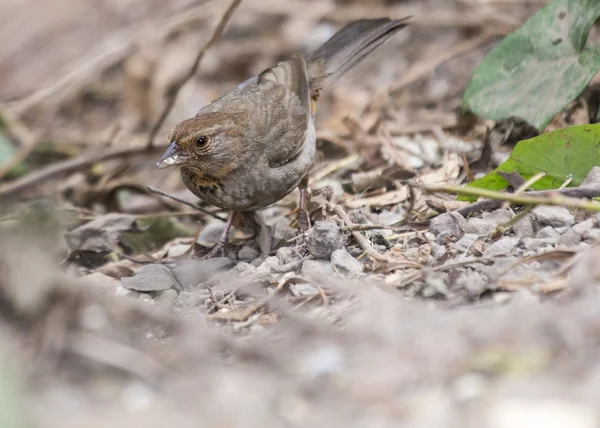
253,275
553,216
502,247
167,297
154,277
464,244
475,283
524,227
303,289
287,255
190,299
593,235
177,251
190,273
318,270
592,179
269,264
280,234
447,225
439,253
548,232
248,253
346,264
585,226
480,226
325,238
570,238
534,244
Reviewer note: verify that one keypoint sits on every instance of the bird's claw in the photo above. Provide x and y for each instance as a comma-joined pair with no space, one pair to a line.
218,250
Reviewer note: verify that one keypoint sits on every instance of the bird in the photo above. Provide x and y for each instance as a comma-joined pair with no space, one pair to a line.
255,144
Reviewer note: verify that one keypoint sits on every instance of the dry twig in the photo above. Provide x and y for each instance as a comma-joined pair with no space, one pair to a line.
184,202
361,239
172,95
561,197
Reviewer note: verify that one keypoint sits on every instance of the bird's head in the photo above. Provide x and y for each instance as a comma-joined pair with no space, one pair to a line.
206,145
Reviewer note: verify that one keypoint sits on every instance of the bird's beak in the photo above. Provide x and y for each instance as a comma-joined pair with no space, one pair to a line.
171,157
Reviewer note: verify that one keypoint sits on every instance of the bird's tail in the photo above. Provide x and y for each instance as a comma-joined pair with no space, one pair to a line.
348,47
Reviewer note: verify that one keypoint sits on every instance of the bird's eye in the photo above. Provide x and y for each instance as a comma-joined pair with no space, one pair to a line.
201,141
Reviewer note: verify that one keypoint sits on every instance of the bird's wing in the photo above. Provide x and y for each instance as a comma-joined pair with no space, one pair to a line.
287,110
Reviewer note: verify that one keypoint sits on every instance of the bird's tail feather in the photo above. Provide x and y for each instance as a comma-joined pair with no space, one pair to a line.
348,47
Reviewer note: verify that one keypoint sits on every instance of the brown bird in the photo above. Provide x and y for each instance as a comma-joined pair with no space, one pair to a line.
255,144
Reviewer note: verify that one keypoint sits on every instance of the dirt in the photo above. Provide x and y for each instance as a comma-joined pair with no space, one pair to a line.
400,307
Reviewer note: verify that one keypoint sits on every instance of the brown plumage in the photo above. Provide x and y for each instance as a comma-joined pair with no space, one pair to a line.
255,144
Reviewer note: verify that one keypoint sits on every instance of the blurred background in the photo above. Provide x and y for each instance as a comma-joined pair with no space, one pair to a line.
80,78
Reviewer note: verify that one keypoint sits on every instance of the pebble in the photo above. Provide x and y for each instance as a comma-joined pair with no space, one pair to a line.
584,227
287,255
548,232
346,264
318,270
325,238
248,253
154,277
446,226
570,238
592,179
533,244
524,227
480,226
502,247
464,244
553,216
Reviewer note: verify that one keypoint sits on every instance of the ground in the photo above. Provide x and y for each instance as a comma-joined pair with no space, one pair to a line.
399,307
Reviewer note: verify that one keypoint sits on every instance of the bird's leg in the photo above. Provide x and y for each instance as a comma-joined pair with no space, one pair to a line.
303,215
220,248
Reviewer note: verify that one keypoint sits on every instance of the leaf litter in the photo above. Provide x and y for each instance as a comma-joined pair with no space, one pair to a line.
400,302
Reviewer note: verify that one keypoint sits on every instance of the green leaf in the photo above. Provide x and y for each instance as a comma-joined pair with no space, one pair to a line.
540,68
562,154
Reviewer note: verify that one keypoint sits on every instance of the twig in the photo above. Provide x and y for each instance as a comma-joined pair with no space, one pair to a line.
66,167
418,275
564,197
361,239
183,201
243,314
292,266
172,95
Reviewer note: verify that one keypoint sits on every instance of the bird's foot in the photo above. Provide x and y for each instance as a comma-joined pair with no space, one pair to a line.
218,250
303,221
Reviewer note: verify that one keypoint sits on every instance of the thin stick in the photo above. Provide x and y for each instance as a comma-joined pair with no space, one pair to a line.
183,201
172,97
361,239
66,167
528,198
